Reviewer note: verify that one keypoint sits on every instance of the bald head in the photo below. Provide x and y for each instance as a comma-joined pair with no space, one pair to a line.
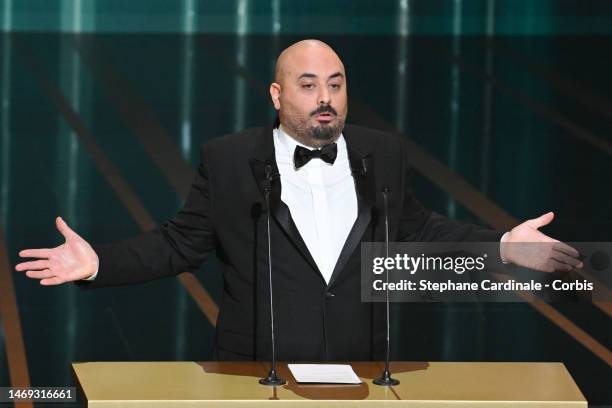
309,92
294,56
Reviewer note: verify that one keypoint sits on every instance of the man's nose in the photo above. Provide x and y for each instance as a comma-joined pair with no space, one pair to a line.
324,96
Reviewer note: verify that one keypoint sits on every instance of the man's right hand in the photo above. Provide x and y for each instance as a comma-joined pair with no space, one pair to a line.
74,260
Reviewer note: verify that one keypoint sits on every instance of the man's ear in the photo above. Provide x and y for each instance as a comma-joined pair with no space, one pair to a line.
275,91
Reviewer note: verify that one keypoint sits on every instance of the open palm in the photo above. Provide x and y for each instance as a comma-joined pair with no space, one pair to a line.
74,260
526,246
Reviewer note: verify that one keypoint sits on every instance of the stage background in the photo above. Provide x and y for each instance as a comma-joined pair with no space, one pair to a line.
105,103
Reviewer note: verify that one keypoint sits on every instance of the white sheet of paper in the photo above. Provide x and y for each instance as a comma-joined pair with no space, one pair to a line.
324,373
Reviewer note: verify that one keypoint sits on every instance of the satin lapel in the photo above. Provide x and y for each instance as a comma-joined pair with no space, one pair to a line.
263,157
362,167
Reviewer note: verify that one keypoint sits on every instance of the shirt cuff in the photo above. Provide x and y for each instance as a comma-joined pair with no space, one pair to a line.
502,240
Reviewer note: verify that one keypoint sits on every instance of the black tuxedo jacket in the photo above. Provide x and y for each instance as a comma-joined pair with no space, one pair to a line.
225,213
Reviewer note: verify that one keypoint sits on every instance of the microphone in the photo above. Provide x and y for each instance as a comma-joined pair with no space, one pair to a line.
272,378
270,177
386,378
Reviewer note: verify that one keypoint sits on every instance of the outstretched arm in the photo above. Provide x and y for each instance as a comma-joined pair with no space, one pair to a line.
516,246
176,246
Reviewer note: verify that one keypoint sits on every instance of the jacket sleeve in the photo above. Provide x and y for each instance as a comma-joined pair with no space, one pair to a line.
418,224
179,245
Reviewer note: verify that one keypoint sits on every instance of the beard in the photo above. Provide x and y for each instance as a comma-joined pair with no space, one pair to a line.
314,135
326,132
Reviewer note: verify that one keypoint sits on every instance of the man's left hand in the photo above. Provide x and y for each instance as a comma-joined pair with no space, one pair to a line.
548,255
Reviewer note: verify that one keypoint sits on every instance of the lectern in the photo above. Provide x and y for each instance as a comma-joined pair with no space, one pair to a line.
230,384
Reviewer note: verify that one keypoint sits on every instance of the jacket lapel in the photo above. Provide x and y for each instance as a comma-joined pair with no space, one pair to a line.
362,168
262,161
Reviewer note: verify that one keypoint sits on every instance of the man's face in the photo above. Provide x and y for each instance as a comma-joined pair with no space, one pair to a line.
311,95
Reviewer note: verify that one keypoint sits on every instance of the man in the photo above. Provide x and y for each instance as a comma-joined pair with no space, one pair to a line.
326,183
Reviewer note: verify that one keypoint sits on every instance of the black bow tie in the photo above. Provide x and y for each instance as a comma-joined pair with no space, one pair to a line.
327,153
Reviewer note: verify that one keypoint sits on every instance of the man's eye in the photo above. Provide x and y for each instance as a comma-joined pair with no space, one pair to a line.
308,86
335,86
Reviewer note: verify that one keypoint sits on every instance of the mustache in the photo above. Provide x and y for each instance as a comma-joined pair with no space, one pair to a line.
324,109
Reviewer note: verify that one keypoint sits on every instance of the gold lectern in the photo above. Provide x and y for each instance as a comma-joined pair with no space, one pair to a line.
230,384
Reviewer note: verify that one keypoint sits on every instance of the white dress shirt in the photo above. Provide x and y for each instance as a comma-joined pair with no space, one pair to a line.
321,198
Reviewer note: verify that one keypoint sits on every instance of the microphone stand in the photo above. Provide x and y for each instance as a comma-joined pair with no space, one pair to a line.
386,378
272,379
